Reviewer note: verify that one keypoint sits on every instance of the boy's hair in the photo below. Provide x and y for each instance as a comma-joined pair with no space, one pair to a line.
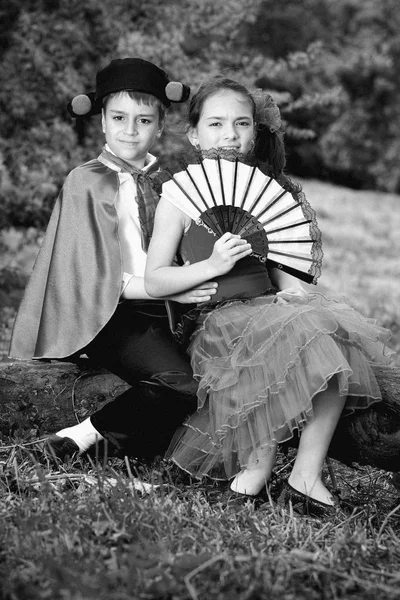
268,143
140,98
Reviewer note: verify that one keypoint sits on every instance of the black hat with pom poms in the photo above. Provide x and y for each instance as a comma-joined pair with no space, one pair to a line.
128,74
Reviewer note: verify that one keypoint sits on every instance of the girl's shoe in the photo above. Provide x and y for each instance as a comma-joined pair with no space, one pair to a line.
305,505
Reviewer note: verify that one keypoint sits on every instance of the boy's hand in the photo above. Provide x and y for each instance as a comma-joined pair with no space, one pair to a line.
227,251
201,293
292,294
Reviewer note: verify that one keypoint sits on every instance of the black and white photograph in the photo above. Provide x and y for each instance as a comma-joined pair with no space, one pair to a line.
199,300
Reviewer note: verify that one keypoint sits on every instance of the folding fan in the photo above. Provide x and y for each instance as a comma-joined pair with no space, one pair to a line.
227,194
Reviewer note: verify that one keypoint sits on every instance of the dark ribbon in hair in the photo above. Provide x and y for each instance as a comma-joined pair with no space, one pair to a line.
269,148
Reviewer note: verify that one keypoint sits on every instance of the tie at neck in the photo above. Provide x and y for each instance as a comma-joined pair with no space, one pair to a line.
109,159
147,195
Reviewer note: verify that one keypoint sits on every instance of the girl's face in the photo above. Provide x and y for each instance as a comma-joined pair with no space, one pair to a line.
131,128
226,121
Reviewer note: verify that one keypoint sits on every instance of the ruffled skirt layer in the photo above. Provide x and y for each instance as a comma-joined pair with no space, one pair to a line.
259,364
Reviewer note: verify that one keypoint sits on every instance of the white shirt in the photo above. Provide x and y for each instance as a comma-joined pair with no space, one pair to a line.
129,230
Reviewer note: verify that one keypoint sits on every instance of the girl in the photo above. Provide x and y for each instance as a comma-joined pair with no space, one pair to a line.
271,362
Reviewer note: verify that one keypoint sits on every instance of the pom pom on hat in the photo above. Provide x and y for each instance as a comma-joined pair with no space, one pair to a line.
81,105
177,91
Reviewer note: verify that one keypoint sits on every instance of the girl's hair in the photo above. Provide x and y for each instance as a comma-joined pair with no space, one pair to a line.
268,144
140,97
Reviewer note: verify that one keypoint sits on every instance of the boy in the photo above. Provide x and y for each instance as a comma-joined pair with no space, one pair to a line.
86,293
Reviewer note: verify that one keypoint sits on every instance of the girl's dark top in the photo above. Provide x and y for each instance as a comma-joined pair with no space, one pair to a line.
247,279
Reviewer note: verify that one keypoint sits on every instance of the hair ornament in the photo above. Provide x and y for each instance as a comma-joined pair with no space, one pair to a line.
269,147
267,112
177,91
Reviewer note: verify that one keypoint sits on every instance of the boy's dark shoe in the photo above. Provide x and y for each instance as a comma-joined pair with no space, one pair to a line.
63,448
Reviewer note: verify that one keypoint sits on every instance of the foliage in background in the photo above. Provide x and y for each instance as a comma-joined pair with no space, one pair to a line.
362,146
52,51
331,66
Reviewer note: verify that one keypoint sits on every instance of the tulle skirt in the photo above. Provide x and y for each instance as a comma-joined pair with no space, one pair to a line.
259,364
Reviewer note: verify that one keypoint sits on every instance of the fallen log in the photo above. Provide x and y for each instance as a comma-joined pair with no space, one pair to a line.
372,436
43,397
37,398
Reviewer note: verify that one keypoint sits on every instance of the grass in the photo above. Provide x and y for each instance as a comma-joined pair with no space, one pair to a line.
82,531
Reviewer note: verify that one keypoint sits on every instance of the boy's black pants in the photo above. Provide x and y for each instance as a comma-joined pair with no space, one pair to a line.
136,345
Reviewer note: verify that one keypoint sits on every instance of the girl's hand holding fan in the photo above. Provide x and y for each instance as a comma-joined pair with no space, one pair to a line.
228,249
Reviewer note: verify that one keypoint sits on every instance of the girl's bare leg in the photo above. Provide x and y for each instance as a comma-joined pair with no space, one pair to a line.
251,480
314,443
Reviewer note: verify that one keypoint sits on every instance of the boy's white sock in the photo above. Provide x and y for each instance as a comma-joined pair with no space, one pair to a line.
84,434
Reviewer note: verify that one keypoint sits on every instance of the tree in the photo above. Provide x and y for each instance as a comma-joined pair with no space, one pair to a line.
52,52
362,146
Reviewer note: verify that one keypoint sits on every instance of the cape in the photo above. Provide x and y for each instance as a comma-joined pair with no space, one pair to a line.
75,285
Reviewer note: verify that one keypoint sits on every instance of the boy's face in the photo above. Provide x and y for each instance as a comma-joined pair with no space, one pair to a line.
131,128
